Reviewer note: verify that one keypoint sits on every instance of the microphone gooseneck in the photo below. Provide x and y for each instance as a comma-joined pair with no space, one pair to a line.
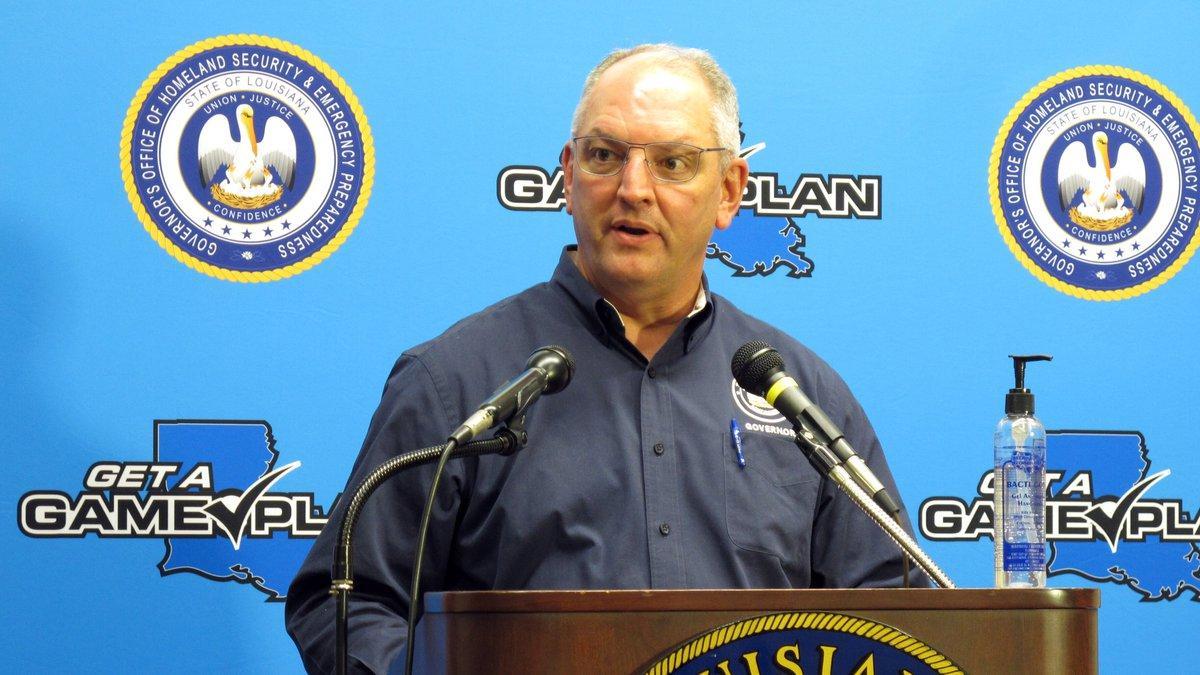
548,370
342,584
759,369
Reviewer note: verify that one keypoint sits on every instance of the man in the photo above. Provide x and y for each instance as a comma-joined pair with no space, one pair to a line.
631,478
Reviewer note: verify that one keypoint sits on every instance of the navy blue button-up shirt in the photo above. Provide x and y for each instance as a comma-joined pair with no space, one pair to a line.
630,479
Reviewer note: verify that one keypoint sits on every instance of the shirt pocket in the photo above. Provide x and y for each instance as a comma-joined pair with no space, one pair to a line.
769,503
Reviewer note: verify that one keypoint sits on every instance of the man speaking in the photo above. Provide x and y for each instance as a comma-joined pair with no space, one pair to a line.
634,477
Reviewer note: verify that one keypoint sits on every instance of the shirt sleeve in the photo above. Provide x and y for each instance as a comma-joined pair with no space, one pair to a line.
412,414
849,550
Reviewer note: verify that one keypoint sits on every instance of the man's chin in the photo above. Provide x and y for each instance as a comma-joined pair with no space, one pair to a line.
634,278
616,268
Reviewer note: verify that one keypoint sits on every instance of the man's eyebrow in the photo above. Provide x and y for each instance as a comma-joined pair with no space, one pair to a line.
597,131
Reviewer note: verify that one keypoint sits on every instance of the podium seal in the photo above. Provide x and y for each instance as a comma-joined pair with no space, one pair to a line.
800,642
247,158
1093,182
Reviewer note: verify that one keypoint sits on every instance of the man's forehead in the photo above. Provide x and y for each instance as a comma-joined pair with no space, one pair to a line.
642,89
644,74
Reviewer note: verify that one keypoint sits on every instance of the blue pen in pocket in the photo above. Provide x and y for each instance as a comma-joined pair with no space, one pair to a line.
735,432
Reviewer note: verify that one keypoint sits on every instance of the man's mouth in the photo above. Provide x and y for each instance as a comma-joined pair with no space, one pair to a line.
633,230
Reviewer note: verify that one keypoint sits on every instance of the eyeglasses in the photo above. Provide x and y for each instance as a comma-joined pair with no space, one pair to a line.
667,162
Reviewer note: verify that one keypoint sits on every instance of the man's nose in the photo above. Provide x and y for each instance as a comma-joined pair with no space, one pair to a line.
637,185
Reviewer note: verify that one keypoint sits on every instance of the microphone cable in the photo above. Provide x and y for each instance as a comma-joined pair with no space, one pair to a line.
555,368
414,594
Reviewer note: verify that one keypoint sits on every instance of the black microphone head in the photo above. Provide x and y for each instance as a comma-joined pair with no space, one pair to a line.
753,363
558,365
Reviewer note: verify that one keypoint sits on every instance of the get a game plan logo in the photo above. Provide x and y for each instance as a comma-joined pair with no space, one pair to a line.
1094,184
1107,519
209,493
247,158
765,236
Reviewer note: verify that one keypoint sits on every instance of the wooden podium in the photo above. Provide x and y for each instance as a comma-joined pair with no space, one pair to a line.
980,630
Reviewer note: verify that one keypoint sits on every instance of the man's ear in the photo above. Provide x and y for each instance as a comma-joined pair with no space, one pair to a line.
568,168
733,185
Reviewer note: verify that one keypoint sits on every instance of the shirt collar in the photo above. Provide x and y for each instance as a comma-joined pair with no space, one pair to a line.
605,321
697,307
701,301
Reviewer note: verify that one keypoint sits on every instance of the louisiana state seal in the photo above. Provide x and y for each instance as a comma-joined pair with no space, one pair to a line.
1093,182
247,158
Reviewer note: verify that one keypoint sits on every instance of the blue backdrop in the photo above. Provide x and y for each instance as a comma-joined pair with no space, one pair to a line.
105,333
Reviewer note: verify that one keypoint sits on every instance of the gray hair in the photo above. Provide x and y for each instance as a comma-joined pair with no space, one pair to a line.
724,111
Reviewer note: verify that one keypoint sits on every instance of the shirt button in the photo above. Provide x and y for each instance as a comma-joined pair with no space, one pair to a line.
651,372
659,448
665,529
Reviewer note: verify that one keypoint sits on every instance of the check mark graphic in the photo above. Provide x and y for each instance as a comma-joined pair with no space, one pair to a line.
1109,516
230,509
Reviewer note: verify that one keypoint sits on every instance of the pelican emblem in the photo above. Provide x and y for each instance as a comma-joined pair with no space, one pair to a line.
1103,206
248,183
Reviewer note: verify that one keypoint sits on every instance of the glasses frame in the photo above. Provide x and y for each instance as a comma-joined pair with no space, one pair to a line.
645,156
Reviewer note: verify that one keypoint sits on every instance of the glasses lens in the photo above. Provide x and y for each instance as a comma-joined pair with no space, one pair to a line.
602,156
675,162
669,162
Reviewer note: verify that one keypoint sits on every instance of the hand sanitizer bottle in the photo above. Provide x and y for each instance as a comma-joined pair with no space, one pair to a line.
1019,481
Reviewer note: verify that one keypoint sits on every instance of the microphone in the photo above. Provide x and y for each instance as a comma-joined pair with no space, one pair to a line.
547,371
758,368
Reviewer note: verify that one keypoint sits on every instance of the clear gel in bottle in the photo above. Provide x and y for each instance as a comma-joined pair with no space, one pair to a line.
1020,488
